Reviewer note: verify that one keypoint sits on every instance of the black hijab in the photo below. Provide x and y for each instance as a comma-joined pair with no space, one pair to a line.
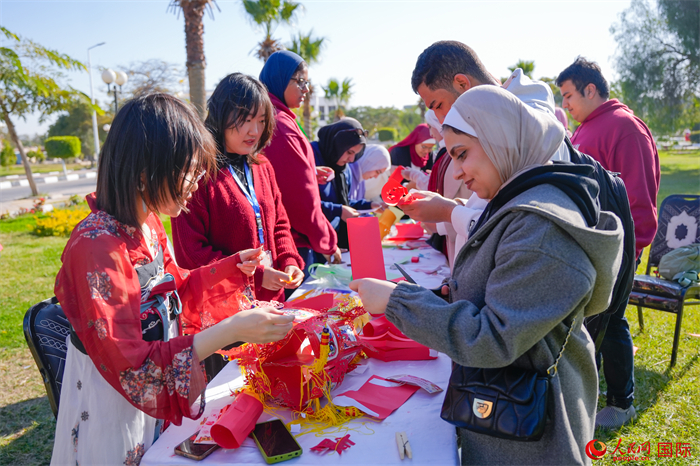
333,141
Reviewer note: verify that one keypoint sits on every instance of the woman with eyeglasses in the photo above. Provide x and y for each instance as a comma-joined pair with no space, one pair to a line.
338,145
286,77
241,207
128,368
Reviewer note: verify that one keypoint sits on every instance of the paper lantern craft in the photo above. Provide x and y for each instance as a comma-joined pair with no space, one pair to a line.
299,370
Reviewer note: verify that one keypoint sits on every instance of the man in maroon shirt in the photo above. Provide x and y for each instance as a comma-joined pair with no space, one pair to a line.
622,143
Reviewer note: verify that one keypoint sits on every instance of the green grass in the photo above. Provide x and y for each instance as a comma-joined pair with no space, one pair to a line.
666,400
40,168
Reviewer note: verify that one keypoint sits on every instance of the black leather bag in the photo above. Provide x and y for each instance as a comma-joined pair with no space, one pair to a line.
508,402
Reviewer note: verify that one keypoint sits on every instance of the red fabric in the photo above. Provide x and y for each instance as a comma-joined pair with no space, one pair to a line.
221,222
622,143
436,183
419,134
99,291
293,160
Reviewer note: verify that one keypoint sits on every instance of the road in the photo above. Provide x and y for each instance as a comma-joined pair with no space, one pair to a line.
67,188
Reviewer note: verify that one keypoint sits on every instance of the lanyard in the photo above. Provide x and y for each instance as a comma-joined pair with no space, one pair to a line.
252,198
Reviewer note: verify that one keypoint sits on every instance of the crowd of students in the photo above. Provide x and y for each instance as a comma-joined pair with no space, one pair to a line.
254,202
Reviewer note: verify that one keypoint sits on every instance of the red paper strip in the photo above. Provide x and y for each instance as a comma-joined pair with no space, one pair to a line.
378,397
407,231
383,341
237,422
366,253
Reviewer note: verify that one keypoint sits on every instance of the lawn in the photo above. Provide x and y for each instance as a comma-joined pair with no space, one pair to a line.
40,168
666,400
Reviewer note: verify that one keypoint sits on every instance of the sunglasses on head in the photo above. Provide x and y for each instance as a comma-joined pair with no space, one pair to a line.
360,132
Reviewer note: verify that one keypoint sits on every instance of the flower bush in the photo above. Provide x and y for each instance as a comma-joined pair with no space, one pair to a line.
60,222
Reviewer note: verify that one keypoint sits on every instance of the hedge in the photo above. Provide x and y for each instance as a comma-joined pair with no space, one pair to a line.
63,147
387,134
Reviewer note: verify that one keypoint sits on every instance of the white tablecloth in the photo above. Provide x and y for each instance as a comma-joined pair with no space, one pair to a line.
432,440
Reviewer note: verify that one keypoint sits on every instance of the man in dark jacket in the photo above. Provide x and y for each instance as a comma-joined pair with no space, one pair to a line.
622,143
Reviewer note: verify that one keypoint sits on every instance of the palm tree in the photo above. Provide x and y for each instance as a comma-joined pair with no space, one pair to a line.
309,48
270,13
528,67
193,11
339,93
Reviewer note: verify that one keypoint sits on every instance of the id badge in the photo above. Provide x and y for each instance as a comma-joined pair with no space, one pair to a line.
267,259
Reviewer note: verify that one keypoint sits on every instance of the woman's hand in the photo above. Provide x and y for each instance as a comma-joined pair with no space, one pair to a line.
335,258
426,206
323,174
274,280
261,325
373,293
348,212
297,276
250,259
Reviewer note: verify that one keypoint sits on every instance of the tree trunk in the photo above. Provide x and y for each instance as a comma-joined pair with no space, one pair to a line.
22,153
307,113
194,43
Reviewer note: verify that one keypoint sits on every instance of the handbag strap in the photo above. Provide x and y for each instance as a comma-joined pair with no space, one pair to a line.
552,371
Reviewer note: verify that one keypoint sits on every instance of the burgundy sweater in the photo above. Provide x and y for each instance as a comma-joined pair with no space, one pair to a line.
221,222
622,143
293,159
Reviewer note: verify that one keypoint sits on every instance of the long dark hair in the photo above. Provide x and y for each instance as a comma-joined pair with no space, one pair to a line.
157,136
235,97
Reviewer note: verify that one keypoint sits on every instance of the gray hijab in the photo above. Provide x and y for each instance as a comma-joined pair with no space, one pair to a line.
514,136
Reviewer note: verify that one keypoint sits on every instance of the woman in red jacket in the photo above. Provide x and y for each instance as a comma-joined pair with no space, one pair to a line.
241,207
285,75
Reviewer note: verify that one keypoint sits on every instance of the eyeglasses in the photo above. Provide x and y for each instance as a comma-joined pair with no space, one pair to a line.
360,132
197,179
302,83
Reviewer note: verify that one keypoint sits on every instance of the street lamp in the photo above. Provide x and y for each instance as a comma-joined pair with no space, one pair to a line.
119,78
92,99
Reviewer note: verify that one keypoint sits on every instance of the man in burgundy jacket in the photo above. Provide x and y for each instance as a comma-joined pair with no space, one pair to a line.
622,143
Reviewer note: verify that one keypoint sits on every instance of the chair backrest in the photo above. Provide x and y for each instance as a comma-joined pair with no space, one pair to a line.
679,224
46,330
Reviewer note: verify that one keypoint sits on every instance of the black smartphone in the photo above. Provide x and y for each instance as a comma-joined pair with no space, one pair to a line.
195,451
275,442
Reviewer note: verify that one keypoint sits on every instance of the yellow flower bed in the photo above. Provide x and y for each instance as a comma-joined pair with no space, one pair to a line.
59,222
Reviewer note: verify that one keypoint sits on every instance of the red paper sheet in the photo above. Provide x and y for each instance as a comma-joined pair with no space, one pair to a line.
396,175
383,341
378,397
407,231
321,302
393,192
366,253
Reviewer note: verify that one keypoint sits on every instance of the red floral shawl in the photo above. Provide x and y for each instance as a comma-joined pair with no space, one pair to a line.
99,291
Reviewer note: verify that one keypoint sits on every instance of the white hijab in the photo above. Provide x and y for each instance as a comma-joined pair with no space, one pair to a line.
375,157
514,136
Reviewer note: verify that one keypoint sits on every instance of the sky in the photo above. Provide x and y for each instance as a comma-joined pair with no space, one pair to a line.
375,43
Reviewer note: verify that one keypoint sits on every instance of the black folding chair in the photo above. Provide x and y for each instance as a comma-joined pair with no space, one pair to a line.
46,329
679,216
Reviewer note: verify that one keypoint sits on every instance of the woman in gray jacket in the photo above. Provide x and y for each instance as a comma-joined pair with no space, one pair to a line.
541,257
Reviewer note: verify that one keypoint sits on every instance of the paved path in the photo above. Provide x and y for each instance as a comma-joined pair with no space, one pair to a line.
56,192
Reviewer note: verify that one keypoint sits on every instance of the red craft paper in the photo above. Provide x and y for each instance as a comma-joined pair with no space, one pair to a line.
393,192
407,231
376,399
239,420
322,302
396,175
384,341
366,253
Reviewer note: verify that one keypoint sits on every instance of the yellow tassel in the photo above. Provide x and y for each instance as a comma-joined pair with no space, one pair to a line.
320,362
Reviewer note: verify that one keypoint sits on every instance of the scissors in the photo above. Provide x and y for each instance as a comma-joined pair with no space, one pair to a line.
405,274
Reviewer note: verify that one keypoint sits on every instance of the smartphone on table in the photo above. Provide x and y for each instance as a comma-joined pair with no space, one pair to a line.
275,442
195,451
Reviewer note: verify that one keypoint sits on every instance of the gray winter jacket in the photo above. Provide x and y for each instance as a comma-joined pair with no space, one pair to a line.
518,284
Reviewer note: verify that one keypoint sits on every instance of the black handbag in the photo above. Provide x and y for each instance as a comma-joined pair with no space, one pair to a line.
508,402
